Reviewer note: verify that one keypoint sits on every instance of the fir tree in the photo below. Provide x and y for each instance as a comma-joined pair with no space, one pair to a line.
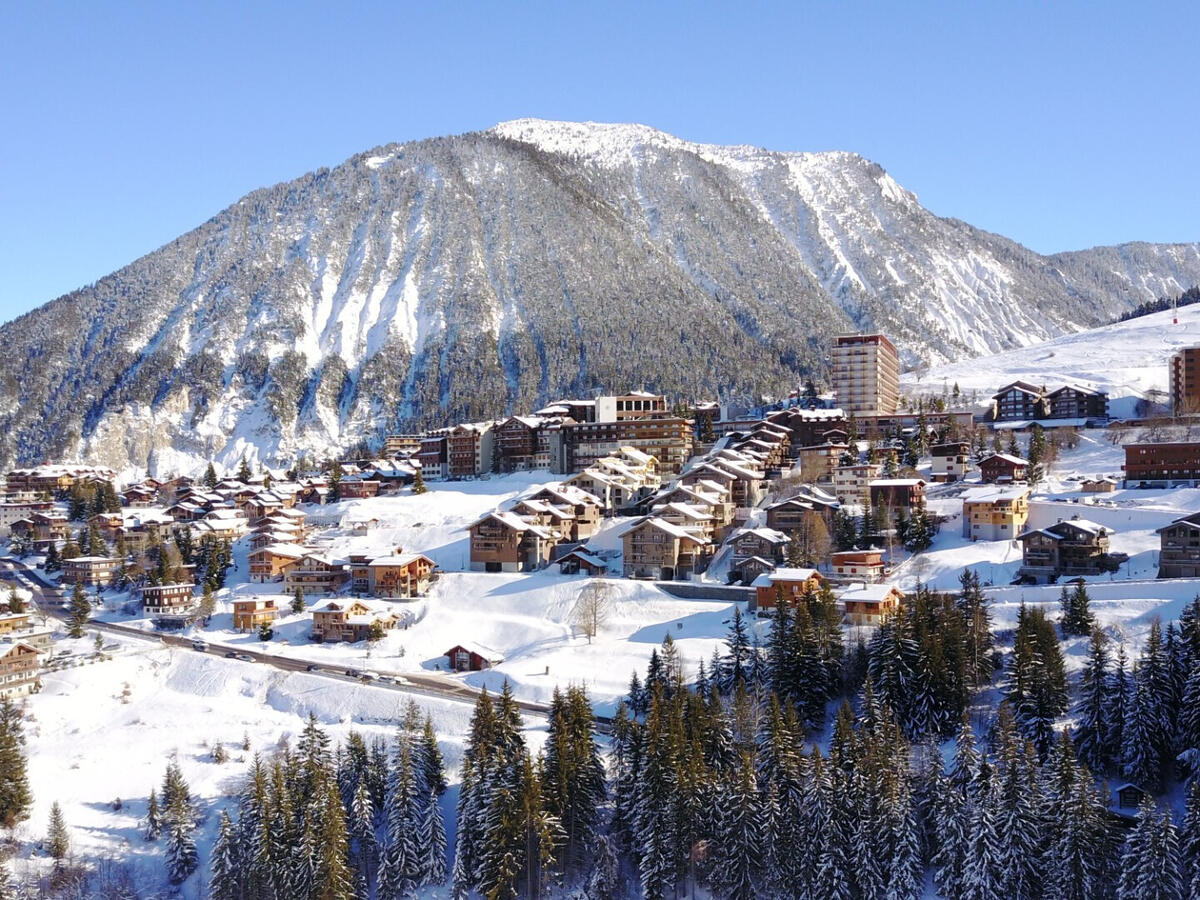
225,866
16,799
418,485
58,840
154,820
15,603
298,601
53,562
1093,728
243,473
80,611
210,476
739,833
181,850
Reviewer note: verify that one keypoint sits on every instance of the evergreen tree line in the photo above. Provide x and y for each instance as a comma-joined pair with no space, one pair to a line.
1187,298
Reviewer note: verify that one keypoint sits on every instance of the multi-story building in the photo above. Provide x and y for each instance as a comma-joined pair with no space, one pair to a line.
270,562
168,599
433,455
861,565
995,513
655,548
469,450
1184,377
1073,401
949,461
852,483
1169,463
667,438
401,445
1179,550
516,442
351,620
634,405
865,370
897,493
18,669
818,462
505,542
1001,468
870,604
399,577
315,573
1019,401
251,614
789,584
1072,546
98,571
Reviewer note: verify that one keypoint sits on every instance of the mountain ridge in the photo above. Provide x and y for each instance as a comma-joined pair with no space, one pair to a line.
463,277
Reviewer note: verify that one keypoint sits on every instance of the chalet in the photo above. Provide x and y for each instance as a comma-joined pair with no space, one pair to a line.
710,497
1018,401
1179,548
18,669
168,599
505,542
516,441
350,620
996,513
1072,401
798,513
581,560
251,614
860,565
765,542
21,509
97,571
138,496
949,462
46,528
472,657
1168,463
746,569
790,584
270,562
584,507
10,623
358,487
897,493
693,518
1072,546
852,483
315,573
223,523
1003,468
870,604
654,548
818,461
1129,796
400,576
1098,486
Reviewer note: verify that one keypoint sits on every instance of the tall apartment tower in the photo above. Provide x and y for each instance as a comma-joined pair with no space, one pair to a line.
866,374
1185,381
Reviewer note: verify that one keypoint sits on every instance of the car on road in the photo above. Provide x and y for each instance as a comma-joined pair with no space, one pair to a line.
352,673
232,654
245,657
312,667
202,646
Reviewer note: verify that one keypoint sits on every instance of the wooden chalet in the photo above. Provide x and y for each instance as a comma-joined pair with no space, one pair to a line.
790,584
251,614
472,657
870,604
1001,468
350,619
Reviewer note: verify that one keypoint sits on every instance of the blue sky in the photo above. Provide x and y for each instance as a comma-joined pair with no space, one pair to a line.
1061,125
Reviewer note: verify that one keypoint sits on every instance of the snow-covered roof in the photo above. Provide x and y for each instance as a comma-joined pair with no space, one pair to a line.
1005,457
767,534
766,579
994,494
895,482
492,656
291,551
403,559
590,558
867,593
677,531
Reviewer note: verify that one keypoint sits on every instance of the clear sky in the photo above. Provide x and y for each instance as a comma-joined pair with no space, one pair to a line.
1061,125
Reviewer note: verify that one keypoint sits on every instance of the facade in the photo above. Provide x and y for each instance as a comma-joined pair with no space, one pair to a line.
250,615
395,445
472,657
634,405
861,565
852,484
469,450
949,462
434,455
870,604
1072,546
1001,468
897,493
18,669
96,571
818,462
866,374
995,513
1098,486
270,562
797,514
791,584
667,438
350,620
1019,401
1170,463
764,542
315,573
168,599
654,548
1179,548
399,577
505,542
1184,377
1073,401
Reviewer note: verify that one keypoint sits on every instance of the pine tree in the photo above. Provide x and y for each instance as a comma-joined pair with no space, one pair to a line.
181,850
982,873
243,473
1150,859
573,774
1092,728
432,841
53,562
16,798
298,601
739,832
361,830
80,612
1077,618
58,840
738,655
225,867
154,822
1189,839
418,485
210,476
333,875
605,880
15,603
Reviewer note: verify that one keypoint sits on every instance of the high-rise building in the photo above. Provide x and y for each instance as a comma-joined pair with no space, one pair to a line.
866,374
1185,381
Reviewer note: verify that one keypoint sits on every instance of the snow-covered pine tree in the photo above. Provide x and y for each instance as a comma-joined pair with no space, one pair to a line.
431,842
16,799
739,841
605,880
360,827
906,869
154,822
1189,839
982,872
181,850
1139,760
224,866
1092,726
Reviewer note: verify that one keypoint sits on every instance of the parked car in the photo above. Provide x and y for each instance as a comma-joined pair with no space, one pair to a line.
245,657
312,667
202,646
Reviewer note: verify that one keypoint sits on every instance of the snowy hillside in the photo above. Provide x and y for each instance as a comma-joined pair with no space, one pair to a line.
1128,360
461,278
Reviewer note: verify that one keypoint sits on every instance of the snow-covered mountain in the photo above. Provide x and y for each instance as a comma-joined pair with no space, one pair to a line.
459,278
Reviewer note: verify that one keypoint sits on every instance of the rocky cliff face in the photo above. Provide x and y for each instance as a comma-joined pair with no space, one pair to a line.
461,278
